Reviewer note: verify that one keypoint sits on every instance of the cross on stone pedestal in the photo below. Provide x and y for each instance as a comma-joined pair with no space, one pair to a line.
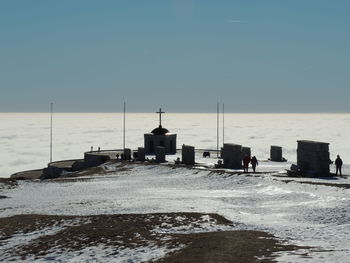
160,116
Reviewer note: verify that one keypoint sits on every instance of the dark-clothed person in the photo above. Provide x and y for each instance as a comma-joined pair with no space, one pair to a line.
246,162
254,163
338,165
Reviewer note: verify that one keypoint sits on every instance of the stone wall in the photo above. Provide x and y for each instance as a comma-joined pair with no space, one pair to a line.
141,154
276,153
232,155
151,142
313,158
188,156
160,154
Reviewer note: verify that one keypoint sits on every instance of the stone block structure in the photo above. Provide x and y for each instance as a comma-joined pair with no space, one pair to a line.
92,159
232,155
188,156
276,153
141,154
313,158
127,154
160,154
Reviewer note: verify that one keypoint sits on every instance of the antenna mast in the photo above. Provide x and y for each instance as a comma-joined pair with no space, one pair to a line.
51,134
124,128
217,130
223,124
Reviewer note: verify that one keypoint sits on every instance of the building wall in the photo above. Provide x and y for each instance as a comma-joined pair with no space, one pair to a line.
313,158
152,141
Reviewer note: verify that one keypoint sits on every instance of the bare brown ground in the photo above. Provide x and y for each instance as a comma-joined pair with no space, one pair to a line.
136,230
6,183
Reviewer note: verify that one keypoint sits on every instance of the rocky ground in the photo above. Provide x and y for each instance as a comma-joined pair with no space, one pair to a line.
181,237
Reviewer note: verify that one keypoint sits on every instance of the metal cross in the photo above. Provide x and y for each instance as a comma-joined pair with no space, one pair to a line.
160,116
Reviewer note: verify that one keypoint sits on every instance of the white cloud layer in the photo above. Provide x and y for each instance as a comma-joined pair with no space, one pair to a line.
24,138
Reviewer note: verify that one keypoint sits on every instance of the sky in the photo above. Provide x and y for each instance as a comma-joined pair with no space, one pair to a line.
181,55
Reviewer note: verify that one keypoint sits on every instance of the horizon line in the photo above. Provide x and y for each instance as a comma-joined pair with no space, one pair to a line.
137,112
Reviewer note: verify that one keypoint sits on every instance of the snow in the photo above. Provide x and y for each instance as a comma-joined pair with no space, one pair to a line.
310,215
20,239
105,254
25,137
303,214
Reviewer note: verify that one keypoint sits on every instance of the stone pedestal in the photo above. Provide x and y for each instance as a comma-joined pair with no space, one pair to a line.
127,154
276,153
188,155
141,154
313,158
232,155
160,154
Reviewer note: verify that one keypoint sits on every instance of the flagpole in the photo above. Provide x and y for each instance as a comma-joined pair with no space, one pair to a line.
51,134
124,128
217,130
223,124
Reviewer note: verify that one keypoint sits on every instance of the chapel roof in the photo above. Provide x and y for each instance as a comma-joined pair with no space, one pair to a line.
160,131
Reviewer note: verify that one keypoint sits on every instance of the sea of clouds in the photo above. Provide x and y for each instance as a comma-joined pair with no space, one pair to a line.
25,137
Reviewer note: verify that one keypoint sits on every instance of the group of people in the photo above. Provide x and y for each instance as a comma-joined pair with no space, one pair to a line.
98,149
254,162
247,160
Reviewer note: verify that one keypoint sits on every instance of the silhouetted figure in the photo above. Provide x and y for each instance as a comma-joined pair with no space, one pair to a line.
219,164
178,161
246,162
122,156
206,154
117,156
254,163
338,165
92,148
98,149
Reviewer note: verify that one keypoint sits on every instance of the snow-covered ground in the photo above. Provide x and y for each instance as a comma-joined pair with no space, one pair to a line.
310,215
24,137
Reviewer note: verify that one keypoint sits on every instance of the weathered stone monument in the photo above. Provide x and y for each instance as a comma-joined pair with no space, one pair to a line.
188,156
141,154
127,154
313,158
160,154
276,153
232,155
160,137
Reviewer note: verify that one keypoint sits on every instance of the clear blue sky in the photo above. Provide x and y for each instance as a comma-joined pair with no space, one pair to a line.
183,55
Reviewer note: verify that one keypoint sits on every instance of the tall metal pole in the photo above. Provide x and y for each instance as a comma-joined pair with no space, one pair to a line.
51,134
217,130
124,128
223,124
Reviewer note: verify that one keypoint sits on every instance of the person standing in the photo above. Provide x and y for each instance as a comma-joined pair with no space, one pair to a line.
254,163
338,165
246,162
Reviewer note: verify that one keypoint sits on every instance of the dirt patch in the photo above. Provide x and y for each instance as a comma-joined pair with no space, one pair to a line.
174,231
227,246
7,183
